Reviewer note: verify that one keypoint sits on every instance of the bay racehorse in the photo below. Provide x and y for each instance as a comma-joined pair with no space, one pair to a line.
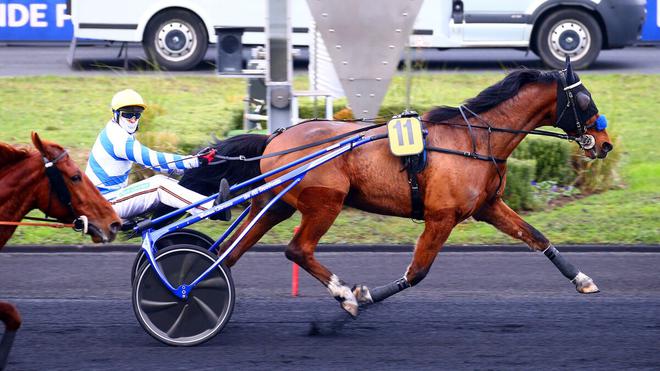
466,147
46,179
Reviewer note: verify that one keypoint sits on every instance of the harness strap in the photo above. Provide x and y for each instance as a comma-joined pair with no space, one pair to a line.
276,133
56,183
469,125
475,156
573,85
299,148
504,130
415,196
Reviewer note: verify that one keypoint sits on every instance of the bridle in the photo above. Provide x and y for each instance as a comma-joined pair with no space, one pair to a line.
58,186
584,140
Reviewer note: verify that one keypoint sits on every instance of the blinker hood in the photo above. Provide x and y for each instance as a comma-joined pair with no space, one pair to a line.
571,117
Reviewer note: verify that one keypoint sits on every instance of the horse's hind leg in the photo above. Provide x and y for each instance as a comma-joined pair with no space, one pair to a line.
319,207
279,212
436,232
12,320
506,220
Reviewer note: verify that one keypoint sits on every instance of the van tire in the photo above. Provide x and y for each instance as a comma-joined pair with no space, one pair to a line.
175,40
569,31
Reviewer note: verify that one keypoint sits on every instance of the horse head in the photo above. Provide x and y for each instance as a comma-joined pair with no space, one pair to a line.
70,195
578,115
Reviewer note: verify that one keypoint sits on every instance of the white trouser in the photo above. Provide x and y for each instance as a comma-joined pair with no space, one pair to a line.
142,196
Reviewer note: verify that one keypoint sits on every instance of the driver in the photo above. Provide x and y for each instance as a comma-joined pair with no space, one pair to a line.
116,149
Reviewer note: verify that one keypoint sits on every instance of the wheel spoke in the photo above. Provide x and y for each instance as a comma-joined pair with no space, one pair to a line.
208,312
151,306
186,266
178,322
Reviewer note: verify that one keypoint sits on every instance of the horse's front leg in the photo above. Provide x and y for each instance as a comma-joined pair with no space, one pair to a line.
508,221
12,320
319,207
436,232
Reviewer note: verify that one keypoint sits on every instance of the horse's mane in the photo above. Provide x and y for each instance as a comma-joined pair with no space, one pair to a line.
10,155
499,92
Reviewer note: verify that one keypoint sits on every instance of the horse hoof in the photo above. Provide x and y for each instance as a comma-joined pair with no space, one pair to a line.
362,295
351,307
584,284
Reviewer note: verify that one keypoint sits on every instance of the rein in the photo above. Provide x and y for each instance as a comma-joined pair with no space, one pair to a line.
31,224
303,147
502,130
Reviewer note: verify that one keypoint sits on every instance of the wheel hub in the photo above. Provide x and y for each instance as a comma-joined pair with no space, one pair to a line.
569,40
569,37
175,41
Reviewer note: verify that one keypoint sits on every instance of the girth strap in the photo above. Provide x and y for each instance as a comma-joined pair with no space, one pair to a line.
415,196
414,165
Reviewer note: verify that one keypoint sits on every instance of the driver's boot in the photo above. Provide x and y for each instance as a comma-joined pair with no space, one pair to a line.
223,195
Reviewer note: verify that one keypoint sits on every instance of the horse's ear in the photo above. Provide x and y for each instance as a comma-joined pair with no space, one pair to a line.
570,76
38,144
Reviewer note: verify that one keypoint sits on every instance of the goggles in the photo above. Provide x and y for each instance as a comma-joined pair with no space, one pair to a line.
129,115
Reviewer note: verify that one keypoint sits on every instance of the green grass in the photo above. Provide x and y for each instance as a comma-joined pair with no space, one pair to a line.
73,110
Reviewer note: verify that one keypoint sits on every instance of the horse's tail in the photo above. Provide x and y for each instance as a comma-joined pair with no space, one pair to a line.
206,179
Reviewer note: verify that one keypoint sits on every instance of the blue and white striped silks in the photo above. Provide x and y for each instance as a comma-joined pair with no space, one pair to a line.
115,150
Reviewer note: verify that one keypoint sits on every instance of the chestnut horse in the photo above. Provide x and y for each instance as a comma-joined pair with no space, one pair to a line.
453,187
48,180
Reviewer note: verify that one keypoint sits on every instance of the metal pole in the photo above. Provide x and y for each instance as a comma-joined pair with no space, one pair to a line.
408,67
315,86
278,79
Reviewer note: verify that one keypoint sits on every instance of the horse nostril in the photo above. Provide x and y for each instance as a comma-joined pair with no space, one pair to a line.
607,147
114,227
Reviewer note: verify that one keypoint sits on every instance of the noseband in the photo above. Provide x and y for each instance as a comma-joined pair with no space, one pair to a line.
63,194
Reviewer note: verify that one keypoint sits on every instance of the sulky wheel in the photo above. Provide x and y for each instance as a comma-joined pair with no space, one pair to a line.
181,236
183,322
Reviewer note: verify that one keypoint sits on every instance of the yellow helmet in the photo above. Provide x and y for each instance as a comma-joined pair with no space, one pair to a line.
128,97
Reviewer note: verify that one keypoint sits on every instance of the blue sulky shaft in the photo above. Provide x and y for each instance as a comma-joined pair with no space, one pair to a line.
231,228
261,177
295,176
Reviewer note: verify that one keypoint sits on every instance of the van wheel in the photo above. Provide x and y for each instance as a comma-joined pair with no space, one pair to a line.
568,32
175,40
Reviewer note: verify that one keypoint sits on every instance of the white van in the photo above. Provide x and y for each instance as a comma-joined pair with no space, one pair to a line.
176,34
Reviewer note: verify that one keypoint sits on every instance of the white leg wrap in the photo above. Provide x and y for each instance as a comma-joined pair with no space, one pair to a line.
344,294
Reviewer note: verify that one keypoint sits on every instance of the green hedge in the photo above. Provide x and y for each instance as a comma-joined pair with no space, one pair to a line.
519,193
553,159
595,176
